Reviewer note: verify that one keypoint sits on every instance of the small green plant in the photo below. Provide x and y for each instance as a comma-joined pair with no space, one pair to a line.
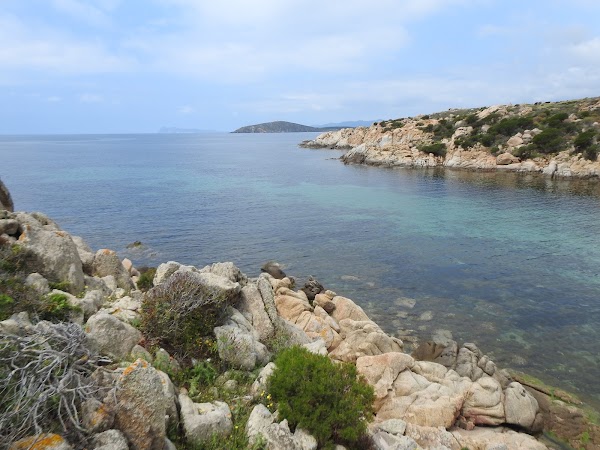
584,140
591,152
56,307
326,399
146,279
556,120
60,285
585,437
6,304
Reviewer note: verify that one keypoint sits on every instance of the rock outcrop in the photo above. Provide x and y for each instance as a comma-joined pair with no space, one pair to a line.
6,201
471,139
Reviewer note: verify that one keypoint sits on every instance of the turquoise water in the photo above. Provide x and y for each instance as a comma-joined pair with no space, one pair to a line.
508,261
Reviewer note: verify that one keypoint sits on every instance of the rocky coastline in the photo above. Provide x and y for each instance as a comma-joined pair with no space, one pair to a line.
468,140
445,395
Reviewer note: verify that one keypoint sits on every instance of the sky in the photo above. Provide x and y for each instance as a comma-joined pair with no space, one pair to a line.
128,66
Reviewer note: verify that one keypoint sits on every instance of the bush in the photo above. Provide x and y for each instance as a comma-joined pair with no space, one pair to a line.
548,141
511,125
56,307
324,398
556,120
179,313
591,152
438,149
584,140
146,279
44,378
526,152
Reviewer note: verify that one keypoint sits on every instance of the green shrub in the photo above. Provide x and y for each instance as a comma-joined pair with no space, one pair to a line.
550,140
60,285
584,140
526,152
556,120
146,279
591,152
511,125
181,312
324,398
438,149
472,119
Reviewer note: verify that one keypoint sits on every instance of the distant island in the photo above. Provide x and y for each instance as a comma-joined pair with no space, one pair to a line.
282,127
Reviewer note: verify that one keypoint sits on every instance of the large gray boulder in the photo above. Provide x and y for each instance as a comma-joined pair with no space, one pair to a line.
262,427
110,440
107,262
6,201
49,250
520,406
253,308
85,254
109,336
238,343
202,421
141,407
227,270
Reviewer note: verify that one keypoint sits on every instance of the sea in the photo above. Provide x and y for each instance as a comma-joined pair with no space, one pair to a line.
510,262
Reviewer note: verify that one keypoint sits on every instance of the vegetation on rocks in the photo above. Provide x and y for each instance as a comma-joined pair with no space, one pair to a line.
324,398
44,379
180,315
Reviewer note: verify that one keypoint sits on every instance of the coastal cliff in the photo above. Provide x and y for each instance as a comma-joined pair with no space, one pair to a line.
557,139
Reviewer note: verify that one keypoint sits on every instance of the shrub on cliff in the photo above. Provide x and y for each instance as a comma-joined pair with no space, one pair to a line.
326,399
179,313
584,140
511,125
438,149
550,140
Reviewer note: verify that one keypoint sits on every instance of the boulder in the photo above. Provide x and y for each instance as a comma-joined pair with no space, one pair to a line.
50,251
126,309
109,336
347,309
311,288
97,416
484,402
6,201
141,407
433,438
38,282
363,338
381,371
107,262
170,398
9,227
46,441
428,395
484,438
262,427
520,406
164,271
385,441
251,305
17,324
260,384
467,362
392,426
290,307
273,269
227,270
238,343
85,254
110,440
506,158
515,140
202,421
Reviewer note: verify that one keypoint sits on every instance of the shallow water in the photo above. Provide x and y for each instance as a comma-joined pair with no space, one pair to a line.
508,261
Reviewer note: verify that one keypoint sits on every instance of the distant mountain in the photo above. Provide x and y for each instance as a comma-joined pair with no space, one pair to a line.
349,124
277,127
183,130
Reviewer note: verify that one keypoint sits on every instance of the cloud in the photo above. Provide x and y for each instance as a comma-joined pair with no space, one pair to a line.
53,99
27,46
587,51
186,109
91,98
85,12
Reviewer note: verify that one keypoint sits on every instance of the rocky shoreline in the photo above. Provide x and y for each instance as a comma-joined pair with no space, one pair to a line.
445,395
454,142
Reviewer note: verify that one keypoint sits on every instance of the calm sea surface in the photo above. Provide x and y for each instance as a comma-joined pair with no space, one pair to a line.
510,262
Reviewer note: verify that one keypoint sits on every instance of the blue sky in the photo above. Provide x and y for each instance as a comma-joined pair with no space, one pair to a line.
102,66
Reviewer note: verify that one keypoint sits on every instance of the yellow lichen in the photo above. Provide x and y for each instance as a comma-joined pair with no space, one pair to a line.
40,442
